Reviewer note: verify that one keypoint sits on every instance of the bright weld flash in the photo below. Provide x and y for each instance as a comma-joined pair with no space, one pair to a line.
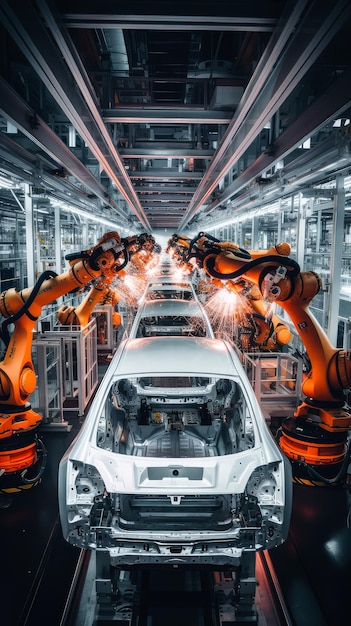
131,287
152,271
178,274
227,309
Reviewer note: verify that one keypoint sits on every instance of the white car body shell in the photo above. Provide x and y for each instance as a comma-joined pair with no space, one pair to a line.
247,488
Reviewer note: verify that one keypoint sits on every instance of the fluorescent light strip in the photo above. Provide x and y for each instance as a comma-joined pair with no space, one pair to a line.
6,183
87,215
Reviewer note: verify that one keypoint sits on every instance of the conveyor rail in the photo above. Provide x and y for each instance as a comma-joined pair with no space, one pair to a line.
159,595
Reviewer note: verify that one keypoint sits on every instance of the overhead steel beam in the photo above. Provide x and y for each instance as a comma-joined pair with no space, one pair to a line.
168,225
164,224
295,45
160,202
163,213
168,116
18,162
165,216
61,72
101,18
163,153
161,187
324,109
21,115
161,197
165,174
159,210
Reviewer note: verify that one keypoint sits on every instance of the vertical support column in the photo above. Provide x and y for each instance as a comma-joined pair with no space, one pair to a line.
301,234
107,95
319,231
240,238
103,586
291,214
280,221
336,259
85,234
57,240
236,232
254,233
28,208
57,243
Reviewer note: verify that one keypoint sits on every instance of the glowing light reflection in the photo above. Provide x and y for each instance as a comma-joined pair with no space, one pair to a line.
334,548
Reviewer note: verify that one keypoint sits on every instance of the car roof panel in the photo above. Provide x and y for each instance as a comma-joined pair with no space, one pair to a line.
170,307
177,355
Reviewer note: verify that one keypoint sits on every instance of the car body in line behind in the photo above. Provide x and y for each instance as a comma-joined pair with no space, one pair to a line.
171,317
169,285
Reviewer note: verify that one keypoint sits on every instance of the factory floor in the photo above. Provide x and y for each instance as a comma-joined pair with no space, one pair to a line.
313,566
32,547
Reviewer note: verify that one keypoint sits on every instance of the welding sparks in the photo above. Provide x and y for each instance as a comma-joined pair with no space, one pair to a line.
227,310
153,271
131,287
178,274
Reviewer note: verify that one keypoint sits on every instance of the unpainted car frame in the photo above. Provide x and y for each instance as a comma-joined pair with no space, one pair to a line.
174,463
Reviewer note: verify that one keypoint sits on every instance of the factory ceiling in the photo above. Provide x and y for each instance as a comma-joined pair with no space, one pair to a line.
164,115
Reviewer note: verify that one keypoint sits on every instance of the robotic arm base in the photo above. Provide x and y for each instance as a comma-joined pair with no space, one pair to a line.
17,423
317,456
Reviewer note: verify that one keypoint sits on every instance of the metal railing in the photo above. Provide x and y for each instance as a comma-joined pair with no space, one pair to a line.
274,376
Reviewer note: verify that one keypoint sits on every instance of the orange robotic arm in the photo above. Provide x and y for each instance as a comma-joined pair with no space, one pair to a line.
17,376
101,292
22,309
317,434
270,331
280,280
